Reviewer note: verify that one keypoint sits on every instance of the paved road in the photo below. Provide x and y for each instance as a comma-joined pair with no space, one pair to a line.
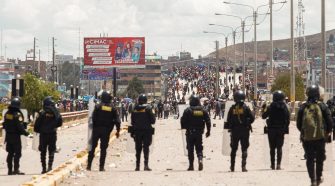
169,163
71,141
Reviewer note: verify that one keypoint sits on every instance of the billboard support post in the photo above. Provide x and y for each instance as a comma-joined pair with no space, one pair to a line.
114,82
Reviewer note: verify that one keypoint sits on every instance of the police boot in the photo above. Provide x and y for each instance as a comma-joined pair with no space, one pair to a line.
50,162
232,163
137,166
138,160
244,161
17,166
10,165
146,166
89,161
279,157
190,167
201,165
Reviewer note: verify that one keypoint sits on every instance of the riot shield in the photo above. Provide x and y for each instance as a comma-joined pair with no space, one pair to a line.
36,136
226,143
328,164
90,123
181,109
227,108
2,139
36,141
285,163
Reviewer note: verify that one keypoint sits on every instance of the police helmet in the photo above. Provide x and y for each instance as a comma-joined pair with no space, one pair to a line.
142,99
15,103
313,92
278,96
106,97
47,102
239,96
194,101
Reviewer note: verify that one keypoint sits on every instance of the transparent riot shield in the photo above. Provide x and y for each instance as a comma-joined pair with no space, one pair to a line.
90,123
2,139
36,136
181,109
226,143
328,164
225,134
285,163
36,141
183,137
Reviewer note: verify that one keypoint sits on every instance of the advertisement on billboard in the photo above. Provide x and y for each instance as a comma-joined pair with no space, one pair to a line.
108,52
98,74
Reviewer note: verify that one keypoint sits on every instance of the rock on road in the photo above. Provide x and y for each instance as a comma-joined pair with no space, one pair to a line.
169,163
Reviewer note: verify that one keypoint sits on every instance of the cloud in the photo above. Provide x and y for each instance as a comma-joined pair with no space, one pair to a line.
166,24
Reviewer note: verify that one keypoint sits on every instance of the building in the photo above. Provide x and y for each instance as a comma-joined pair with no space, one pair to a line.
6,76
150,76
38,68
185,56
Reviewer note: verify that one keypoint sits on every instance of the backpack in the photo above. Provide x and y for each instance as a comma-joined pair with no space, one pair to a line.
312,123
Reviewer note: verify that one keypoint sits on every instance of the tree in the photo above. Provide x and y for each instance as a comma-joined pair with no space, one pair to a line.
35,91
135,87
283,83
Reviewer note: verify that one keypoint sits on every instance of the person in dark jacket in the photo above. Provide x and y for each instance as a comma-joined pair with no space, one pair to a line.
142,119
315,149
239,121
278,122
104,118
46,124
194,120
14,127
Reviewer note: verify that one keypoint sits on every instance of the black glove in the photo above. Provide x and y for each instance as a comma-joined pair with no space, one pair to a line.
208,133
26,134
25,124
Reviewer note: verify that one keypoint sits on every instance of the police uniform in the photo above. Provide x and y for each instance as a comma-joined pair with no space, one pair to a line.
104,117
14,127
277,124
193,120
142,118
46,125
315,149
239,121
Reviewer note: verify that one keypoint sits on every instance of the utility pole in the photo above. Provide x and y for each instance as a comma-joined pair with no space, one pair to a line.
271,39
217,69
34,54
243,76
323,44
226,43
255,57
1,43
292,56
234,37
53,68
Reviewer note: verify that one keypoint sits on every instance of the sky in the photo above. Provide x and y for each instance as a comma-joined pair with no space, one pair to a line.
169,26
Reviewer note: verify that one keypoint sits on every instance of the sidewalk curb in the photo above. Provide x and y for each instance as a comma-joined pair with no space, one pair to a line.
63,171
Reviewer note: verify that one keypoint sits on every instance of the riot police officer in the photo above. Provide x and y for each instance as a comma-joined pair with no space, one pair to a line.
239,121
47,122
193,120
104,117
142,118
14,127
278,122
315,124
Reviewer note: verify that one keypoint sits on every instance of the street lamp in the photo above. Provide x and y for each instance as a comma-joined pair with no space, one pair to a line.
234,42
217,64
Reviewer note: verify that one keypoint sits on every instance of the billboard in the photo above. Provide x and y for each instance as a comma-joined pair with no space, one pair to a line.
98,74
108,52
